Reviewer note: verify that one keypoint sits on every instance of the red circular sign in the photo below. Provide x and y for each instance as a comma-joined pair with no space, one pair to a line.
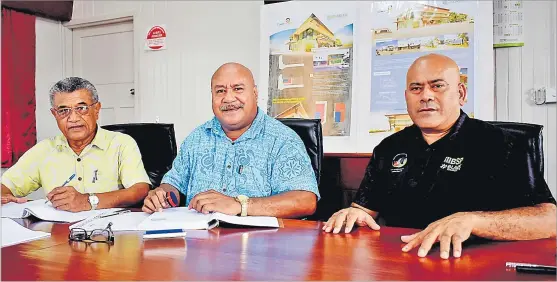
156,37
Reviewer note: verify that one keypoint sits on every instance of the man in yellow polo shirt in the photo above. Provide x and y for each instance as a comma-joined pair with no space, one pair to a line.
86,167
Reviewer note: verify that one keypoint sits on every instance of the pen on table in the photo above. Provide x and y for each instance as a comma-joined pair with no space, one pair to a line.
115,213
537,269
515,264
67,181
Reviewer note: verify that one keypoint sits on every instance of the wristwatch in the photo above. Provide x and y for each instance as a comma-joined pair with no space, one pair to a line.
243,200
93,200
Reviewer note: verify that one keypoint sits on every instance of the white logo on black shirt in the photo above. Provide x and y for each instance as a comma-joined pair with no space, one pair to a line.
452,164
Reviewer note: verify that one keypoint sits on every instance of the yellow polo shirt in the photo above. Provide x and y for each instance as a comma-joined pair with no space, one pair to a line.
112,161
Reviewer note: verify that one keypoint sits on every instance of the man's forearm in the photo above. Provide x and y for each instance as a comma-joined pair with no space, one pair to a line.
6,190
289,204
526,223
124,197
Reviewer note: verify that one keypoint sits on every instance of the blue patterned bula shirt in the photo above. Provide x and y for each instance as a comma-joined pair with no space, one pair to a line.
268,159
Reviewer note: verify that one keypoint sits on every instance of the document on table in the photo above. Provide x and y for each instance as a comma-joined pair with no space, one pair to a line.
184,218
46,211
13,233
121,222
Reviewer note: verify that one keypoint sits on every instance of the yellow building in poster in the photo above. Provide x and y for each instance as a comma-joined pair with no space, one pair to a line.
312,34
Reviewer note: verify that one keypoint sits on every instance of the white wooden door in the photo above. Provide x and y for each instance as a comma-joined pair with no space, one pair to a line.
104,55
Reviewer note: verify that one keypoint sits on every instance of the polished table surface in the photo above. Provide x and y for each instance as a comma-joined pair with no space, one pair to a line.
299,251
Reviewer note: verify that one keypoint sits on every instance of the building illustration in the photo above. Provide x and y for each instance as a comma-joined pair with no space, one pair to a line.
312,34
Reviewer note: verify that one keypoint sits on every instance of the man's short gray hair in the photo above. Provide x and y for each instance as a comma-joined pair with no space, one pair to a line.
71,84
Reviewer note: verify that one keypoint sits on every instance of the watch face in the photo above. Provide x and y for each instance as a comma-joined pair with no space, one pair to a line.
93,200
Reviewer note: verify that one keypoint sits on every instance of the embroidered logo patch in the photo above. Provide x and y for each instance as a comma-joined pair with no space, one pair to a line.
452,164
399,161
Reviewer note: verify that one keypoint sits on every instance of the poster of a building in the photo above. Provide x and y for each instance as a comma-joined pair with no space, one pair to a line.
311,64
401,32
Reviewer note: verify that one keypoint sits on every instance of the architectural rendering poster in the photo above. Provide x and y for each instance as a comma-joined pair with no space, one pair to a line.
311,63
405,30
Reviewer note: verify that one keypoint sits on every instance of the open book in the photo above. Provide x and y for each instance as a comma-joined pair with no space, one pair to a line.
13,233
184,218
45,211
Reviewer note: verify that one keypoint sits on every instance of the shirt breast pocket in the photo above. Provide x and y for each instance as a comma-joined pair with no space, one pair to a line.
101,181
253,182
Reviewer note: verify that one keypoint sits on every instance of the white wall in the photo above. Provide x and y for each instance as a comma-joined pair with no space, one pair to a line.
519,70
174,84
49,68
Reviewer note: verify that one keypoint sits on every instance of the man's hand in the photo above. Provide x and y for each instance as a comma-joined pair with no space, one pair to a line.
13,199
155,201
213,201
68,199
348,217
453,229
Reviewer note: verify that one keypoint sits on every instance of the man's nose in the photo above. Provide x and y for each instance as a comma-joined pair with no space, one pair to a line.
74,116
427,94
230,96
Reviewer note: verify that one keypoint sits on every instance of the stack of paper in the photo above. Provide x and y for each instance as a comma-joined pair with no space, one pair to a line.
13,233
45,211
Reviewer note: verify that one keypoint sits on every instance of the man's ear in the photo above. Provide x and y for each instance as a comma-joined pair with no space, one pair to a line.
462,94
53,112
255,92
98,107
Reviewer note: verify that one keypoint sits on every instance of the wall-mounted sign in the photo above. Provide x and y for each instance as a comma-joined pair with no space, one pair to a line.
156,38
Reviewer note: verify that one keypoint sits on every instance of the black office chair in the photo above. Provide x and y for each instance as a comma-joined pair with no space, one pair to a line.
532,135
310,132
157,144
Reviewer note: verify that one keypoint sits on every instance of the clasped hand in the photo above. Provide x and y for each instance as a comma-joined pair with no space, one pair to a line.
205,202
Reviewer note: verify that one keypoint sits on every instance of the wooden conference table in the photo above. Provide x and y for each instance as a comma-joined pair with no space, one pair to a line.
299,251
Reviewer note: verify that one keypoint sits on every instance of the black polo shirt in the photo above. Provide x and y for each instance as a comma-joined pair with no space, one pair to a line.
475,167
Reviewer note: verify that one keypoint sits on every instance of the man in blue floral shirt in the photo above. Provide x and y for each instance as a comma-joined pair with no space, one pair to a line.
242,162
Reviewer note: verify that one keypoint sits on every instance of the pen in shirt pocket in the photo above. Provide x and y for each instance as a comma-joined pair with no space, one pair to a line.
95,176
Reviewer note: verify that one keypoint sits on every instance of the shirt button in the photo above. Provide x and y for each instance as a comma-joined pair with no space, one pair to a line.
78,159
79,178
228,166
412,183
224,190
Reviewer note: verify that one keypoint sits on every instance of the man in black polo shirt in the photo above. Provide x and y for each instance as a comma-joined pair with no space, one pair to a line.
449,174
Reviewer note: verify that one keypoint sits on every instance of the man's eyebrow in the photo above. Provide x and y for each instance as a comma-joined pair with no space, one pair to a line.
238,84
64,106
436,80
220,86
416,84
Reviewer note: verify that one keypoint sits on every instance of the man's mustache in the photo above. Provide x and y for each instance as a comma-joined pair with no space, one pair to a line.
430,105
229,107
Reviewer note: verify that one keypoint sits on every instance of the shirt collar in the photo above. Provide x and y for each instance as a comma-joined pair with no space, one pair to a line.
256,127
452,135
100,140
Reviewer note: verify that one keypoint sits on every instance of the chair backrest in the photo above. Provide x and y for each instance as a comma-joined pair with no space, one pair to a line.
311,134
532,135
157,144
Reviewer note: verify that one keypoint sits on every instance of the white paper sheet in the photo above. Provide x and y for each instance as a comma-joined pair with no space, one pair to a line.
45,211
13,233
261,221
122,222
176,218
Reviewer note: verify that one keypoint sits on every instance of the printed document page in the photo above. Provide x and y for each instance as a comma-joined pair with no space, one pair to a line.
13,233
